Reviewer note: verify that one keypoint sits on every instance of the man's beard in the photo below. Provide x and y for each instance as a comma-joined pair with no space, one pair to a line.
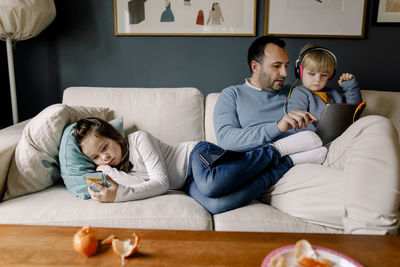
267,83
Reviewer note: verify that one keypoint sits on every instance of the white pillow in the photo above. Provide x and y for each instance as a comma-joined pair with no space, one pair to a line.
35,164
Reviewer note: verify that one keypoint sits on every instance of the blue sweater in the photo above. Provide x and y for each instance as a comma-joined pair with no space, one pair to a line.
246,117
303,99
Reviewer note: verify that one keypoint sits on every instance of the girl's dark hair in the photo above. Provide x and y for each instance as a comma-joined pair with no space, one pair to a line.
99,127
256,49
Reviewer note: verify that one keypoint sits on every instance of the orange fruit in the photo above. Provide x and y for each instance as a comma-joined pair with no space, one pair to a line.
85,241
307,257
309,262
125,248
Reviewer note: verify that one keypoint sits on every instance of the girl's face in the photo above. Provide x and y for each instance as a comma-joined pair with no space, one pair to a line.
102,150
313,80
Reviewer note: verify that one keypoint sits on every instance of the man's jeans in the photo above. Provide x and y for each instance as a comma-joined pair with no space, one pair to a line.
238,179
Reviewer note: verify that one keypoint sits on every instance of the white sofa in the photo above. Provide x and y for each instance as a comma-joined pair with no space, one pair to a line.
173,115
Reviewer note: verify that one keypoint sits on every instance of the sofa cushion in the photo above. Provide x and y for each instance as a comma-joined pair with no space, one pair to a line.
260,217
172,115
304,193
209,131
55,206
35,164
9,138
382,103
74,164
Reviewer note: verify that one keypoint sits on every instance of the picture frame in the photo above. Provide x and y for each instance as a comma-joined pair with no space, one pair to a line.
315,18
386,12
185,17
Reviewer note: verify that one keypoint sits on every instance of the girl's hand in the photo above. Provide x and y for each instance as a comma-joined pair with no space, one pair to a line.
106,194
345,77
101,168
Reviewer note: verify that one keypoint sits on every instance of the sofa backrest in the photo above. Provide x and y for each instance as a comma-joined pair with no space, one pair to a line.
209,131
180,114
172,115
382,103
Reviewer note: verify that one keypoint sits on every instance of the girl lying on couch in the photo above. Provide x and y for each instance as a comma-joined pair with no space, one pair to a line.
141,166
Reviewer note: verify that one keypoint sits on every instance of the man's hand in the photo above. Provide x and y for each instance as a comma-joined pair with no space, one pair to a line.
295,120
106,194
345,77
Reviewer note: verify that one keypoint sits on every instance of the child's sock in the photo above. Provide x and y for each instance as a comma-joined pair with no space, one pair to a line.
312,156
298,142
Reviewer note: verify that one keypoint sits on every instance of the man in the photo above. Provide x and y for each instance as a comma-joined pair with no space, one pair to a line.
260,95
357,188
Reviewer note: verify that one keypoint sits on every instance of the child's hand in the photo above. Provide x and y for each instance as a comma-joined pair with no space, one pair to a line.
101,168
106,194
345,77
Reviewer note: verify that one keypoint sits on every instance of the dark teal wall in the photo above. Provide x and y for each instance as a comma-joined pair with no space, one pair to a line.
80,49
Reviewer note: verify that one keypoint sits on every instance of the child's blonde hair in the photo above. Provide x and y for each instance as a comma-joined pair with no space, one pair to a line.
317,60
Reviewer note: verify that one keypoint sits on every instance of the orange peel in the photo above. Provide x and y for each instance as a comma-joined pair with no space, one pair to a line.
307,257
108,240
125,248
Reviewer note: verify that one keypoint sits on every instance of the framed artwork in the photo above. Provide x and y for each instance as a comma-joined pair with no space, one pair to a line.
386,12
315,18
185,17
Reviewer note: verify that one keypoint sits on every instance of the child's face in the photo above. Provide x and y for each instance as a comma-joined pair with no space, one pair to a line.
314,81
102,150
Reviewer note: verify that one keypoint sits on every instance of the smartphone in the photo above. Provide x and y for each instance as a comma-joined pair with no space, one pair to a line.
98,177
212,160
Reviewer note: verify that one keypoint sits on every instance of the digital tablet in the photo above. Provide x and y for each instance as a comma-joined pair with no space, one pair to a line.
336,118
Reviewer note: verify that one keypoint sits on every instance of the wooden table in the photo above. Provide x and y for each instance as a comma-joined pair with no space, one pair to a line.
52,246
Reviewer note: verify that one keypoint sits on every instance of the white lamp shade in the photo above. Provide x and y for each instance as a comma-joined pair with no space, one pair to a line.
24,19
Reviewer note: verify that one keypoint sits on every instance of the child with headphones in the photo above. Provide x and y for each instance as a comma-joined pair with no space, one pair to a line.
315,66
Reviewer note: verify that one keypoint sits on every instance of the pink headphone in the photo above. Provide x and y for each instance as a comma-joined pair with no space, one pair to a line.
298,69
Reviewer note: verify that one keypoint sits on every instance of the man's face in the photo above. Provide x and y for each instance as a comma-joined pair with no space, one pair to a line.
271,73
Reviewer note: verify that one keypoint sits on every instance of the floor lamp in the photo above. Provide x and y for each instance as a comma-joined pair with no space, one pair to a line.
21,20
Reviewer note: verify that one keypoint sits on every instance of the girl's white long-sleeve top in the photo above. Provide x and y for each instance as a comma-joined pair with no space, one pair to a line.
157,167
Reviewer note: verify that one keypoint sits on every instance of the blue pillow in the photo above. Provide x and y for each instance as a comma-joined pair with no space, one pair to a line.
74,164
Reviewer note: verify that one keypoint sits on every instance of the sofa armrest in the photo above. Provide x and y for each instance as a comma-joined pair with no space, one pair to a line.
9,138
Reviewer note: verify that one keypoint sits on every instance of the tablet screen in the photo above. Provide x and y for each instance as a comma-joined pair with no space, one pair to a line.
336,119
